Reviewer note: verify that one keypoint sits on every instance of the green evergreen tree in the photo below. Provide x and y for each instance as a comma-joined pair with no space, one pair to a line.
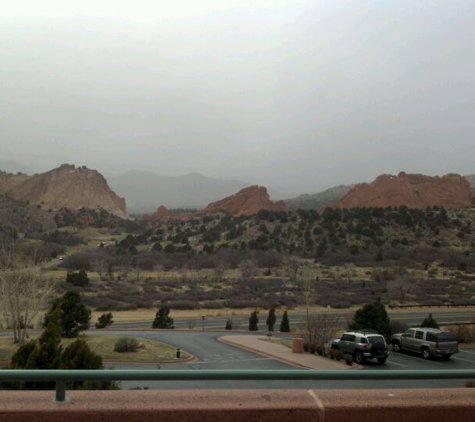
75,316
78,355
162,319
105,320
372,316
271,319
253,321
229,324
285,324
429,322
47,353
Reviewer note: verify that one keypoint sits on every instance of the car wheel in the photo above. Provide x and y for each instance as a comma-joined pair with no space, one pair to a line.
396,346
359,359
381,361
425,353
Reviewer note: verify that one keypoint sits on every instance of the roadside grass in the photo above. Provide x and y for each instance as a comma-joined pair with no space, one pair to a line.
153,351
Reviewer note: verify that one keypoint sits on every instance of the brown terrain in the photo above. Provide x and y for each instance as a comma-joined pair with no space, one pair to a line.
411,190
64,187
247,201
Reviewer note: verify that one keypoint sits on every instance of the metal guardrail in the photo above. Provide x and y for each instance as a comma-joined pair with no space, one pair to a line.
61,377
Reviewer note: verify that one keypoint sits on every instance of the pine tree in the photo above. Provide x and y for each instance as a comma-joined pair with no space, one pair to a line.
47,353
253,321
285,324
162,320
429,322
372,316
271,319
105,320
75,316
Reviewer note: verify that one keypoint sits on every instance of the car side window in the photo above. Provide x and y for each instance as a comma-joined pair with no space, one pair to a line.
419,334
351,337
409,333
430,337
344,337
364,340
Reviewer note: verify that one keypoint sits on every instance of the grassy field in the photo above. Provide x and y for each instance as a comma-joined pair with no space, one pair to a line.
153,351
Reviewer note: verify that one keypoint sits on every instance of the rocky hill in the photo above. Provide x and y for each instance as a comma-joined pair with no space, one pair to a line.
471,180
411,190
144,190
64,187
247,201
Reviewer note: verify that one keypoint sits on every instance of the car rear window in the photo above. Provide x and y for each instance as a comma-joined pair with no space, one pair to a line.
444,337
376,339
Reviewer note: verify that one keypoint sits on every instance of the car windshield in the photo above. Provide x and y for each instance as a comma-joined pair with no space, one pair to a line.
445,337
376,339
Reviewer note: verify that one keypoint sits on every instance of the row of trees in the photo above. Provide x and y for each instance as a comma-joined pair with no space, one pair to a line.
270,322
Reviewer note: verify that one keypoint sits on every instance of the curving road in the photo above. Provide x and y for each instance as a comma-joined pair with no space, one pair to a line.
212,354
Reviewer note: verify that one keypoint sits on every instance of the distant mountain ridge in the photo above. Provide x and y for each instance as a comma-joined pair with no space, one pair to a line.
145,191
317,200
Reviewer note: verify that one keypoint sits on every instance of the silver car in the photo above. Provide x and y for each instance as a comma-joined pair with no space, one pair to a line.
426,341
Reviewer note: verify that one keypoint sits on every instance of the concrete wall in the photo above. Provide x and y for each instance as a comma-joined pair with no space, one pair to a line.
433,405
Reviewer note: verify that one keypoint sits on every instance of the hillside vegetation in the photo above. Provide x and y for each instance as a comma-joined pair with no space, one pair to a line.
348,256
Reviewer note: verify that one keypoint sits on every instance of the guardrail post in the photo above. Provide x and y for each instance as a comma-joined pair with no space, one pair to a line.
60,391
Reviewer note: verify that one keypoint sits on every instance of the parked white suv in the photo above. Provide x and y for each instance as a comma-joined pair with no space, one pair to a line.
362,345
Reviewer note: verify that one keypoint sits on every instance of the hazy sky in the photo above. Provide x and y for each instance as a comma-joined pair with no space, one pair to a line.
294,95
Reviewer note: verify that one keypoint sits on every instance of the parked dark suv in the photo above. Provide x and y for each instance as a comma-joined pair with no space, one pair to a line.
362,345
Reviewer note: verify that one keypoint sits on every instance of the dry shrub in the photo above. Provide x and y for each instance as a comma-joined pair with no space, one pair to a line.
464,334
470,384
348,359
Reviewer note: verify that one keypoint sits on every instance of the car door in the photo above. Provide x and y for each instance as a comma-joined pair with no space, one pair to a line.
407,340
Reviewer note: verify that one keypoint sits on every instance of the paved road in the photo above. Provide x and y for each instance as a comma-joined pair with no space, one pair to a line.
212,354
443,316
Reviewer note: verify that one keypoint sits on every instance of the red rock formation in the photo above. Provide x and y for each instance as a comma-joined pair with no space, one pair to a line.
65,187
411,190
247,201
161,214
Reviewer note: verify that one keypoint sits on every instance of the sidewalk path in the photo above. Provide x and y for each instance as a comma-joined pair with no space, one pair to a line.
265,347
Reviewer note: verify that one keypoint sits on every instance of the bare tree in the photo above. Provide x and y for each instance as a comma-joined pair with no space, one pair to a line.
402,285
159,269
220,271
249,269
293,267
322,327
307,283
101,267
349,271
24,293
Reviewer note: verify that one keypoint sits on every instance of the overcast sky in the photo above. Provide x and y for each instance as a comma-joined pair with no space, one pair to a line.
293,95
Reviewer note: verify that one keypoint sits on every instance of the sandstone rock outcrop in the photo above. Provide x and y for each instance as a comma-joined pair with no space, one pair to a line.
411,190
247,201
64,187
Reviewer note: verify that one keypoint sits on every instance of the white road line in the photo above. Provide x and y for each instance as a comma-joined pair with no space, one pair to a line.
399,364
464,351
420,359
465,360
227,361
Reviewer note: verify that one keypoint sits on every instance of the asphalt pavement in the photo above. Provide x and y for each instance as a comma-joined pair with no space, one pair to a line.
244,351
